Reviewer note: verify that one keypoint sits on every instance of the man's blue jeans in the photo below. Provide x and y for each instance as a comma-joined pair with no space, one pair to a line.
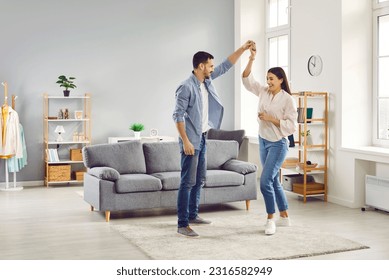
272,155
193,172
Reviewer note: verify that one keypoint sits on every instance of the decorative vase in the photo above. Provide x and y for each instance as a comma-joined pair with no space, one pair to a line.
309,140
66,93
137,134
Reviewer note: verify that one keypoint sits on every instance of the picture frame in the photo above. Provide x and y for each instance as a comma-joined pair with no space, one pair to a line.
78,115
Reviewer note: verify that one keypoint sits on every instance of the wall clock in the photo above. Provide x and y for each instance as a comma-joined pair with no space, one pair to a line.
315,65
153,132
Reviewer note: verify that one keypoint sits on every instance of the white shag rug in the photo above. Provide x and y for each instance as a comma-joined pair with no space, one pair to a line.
237,237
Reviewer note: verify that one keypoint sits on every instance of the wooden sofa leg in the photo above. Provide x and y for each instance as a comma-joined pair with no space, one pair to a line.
92,208
107,215
247,205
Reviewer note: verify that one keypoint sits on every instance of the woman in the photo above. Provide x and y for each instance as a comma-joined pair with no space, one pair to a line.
277,118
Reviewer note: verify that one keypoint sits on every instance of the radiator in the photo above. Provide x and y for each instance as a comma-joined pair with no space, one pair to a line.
377,192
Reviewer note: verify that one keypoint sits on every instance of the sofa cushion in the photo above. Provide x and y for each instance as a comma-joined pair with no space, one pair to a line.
130,183
240,166
170,180
162,157
220,134
105,173
220,151
223,178
125,157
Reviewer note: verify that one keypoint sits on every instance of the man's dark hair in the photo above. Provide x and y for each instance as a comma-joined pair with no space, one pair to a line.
201,57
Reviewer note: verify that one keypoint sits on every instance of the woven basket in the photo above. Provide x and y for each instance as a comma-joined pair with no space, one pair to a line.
59,172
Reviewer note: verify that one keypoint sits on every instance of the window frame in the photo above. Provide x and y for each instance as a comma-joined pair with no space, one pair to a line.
378,5
276,34
277,31
278,27
380,9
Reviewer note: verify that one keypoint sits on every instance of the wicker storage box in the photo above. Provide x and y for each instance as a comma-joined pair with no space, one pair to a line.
76,154
312,188
79,175
59,172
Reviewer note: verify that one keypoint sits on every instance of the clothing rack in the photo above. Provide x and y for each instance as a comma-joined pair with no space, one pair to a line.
7,188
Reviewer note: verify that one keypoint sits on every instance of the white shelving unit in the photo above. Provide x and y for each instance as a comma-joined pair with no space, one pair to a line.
73,126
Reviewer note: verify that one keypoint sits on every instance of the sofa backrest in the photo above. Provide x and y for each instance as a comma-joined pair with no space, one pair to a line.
220,134
162,157
165,156
220,151
125,157
131,157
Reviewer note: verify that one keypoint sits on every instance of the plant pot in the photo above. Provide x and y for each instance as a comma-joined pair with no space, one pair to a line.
66,93
137,134
309,140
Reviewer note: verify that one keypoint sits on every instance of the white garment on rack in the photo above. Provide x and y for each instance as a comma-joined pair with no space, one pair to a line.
13,143
17,164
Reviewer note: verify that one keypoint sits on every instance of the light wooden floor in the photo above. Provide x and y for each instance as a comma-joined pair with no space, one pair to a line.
55,223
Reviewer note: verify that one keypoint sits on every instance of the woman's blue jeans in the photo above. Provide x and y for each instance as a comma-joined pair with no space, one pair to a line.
272,155
193,172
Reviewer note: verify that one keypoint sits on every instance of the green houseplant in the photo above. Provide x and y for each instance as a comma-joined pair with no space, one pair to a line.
67,83
303,133
137,128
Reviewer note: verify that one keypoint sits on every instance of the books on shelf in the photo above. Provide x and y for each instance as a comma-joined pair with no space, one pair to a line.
301,115
52,155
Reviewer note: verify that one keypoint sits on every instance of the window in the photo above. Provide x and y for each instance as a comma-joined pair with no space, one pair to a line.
278,50
380,74
278,13
278,34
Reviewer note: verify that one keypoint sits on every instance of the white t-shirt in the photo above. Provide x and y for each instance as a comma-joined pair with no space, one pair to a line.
282,106
204,93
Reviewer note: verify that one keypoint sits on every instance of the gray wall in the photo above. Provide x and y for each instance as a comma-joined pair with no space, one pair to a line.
129,54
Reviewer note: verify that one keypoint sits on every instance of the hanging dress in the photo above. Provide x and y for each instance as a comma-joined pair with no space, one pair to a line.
15,164
10,140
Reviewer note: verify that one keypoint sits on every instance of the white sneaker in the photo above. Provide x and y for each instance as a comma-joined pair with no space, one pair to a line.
270,227
284,222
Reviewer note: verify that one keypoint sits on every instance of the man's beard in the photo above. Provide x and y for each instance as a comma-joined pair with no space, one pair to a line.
208,76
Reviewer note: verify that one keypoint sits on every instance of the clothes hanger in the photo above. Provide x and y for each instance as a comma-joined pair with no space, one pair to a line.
5,94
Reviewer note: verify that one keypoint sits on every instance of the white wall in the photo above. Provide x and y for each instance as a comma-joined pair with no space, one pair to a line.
357,70
316,29
129,54
249,25
354,111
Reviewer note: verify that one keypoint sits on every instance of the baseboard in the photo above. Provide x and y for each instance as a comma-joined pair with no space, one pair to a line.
23,184
343,202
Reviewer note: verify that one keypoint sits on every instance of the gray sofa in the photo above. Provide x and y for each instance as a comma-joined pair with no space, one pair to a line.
131,175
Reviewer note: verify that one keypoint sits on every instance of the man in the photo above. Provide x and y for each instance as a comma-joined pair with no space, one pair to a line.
197,109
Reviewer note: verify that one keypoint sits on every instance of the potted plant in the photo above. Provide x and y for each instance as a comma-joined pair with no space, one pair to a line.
307,134
303,134
137,128
67,83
